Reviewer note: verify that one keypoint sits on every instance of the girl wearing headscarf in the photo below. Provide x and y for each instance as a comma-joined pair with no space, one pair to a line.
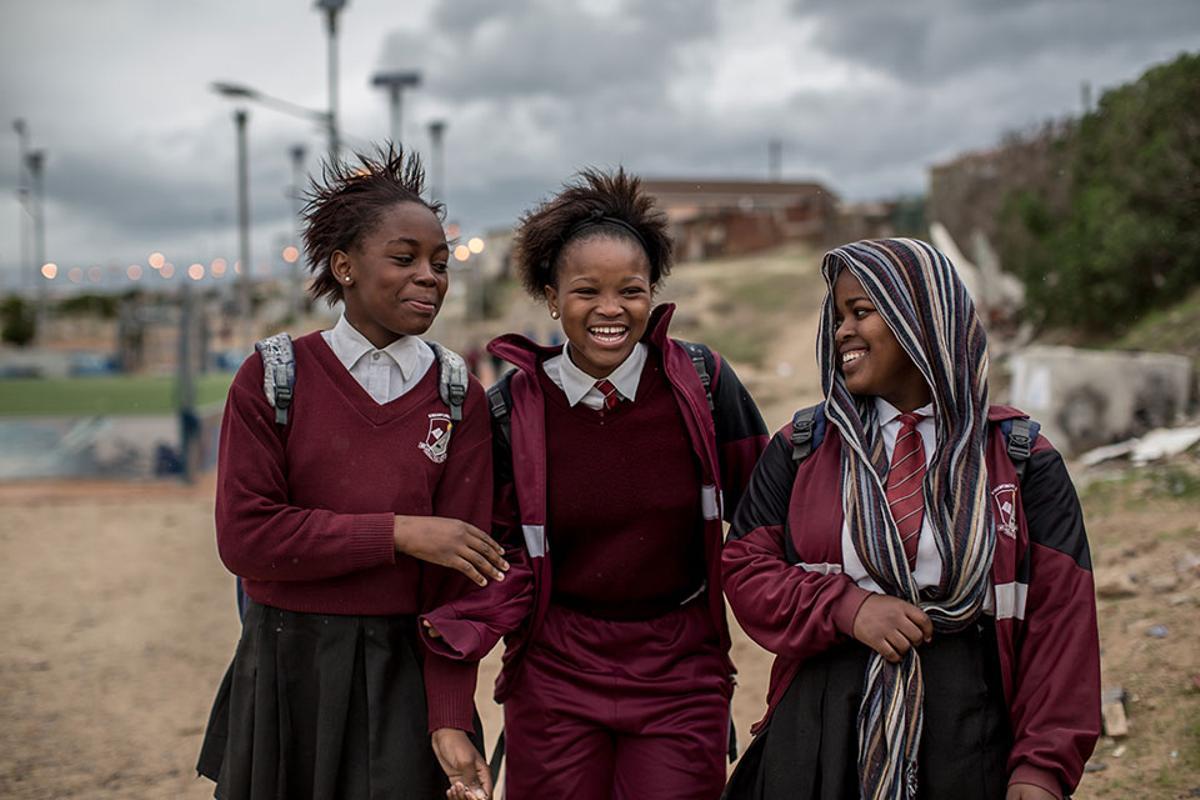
935,626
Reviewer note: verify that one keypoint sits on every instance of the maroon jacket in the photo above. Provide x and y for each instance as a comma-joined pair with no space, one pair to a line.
1045,608
727,441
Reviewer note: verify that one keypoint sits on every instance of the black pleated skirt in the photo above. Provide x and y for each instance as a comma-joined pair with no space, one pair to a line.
809,748
317,707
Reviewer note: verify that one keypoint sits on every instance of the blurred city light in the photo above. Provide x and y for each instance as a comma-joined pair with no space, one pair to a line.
49,271
168,270
453,230
237,267
134,272
462,252
75,275
475,244
196,271
157,260
94,274
218,267
290,254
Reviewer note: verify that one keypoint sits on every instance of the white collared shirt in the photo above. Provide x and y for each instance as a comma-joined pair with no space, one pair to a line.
578,386
928,571
385,374
929,562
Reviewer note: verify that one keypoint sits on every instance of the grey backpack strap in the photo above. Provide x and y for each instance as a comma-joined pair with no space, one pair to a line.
1020,443
804,425
279,373
452,379
696,352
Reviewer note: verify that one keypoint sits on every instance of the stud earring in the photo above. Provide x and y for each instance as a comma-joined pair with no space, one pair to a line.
554,313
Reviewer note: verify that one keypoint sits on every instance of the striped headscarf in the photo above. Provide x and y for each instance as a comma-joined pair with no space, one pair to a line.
919,295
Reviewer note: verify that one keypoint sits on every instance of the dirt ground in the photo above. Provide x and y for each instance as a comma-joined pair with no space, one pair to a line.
121,620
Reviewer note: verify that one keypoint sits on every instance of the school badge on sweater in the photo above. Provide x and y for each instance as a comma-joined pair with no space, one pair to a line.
437,440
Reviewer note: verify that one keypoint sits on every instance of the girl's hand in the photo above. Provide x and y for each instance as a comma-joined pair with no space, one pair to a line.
470,778
430,630
890,626
1027,791
451,543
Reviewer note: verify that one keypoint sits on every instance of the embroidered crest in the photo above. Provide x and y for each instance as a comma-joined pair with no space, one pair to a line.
438,439
1005,497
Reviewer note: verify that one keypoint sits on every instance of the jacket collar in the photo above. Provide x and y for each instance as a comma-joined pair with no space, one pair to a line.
525,354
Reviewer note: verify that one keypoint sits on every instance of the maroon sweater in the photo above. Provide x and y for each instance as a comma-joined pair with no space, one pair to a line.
305,514
623,503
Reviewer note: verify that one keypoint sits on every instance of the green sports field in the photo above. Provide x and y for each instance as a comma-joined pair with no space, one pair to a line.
102,395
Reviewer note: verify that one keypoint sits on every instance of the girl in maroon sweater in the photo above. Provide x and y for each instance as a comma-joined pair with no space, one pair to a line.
931,608
611,461
352,518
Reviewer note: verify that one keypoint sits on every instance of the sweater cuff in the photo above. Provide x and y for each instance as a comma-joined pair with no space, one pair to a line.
457,639
450,692
846,607
372,541
1036,776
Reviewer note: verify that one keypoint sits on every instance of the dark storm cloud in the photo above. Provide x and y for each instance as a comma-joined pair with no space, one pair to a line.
480,50
929,41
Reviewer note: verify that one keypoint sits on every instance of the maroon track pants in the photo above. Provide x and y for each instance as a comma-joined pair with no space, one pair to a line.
606,710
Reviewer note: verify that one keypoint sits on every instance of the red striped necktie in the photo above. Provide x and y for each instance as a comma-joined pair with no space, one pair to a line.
611,398
905,485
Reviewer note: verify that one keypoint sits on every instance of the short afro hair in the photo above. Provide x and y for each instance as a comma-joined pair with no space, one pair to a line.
619,207
345,205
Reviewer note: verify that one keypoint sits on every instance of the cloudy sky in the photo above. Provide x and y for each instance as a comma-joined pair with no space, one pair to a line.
864,94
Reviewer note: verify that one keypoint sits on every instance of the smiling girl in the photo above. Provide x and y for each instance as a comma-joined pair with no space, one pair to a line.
612,459
344,523
934,625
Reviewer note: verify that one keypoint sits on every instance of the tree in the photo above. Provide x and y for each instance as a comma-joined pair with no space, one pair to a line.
18,321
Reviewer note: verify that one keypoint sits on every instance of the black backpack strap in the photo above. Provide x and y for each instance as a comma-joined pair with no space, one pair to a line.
808,429
1021,433
701,356
452,379
279,373
499,397
497,757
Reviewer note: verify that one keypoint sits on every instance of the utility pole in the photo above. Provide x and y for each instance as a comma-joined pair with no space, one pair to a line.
331,9
29,271
437,133
297,152
396,83
775,159
240,118
185,386
35,161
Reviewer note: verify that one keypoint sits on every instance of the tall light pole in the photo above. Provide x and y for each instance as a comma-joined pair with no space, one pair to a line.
331,9
437,133
30,272
35,160
297,152
396,83
240,118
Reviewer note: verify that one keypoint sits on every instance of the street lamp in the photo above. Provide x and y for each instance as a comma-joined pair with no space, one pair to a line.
238,91
240,118
331,9
22,132
396,83
297,152
35,160
437,132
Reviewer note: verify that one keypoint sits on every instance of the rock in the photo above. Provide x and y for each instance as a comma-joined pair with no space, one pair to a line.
1157,631
1120,751
1095,766
1161,584
1113,584
1112,709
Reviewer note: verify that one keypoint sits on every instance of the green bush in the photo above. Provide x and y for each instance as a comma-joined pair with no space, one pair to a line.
1123,238
18,321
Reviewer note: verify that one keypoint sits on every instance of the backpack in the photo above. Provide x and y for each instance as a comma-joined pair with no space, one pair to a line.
808,430
279,375
279,381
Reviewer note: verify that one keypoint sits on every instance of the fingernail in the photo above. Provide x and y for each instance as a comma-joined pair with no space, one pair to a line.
499,576
506,565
